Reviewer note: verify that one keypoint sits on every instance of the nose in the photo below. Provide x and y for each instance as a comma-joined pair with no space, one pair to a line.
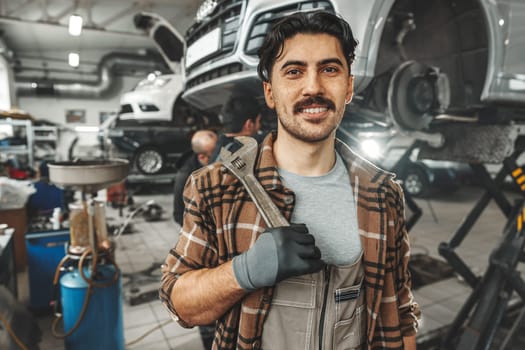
313,85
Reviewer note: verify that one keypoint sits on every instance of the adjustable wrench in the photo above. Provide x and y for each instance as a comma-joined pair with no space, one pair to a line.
241,164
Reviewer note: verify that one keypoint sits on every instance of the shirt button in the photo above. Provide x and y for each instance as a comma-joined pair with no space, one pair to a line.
256,345
288,200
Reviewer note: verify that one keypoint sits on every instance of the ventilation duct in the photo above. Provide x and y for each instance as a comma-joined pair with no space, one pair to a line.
106,84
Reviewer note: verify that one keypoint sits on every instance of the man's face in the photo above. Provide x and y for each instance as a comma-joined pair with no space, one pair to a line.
309,87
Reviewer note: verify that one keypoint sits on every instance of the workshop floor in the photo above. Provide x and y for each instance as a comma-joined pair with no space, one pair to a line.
150,241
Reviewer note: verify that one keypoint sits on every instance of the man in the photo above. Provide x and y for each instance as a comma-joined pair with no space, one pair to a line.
240,116
202,144
338,282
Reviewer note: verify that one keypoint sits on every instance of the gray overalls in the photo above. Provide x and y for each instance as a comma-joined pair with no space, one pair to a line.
332,300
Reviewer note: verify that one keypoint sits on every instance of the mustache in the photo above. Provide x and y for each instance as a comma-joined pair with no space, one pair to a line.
318,100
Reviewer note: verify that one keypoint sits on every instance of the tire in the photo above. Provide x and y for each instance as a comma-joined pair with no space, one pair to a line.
416,182
149,161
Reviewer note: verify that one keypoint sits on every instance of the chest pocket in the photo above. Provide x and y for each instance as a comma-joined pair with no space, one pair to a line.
289,324
349,330
350,326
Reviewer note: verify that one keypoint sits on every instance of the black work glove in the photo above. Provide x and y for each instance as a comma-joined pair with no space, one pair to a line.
278,253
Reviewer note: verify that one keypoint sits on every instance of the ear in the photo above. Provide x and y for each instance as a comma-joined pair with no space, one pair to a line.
247,126
202,158
268,94
350,89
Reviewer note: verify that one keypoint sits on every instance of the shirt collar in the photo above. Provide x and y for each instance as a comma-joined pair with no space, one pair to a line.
268,176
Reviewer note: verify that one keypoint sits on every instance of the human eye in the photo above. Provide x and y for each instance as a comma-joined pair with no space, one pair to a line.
331,69
292,72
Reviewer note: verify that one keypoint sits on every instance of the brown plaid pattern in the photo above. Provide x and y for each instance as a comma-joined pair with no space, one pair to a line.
221,222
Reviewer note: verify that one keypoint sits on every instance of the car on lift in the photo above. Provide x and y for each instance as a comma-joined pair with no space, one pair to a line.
418,63
154,126
399,153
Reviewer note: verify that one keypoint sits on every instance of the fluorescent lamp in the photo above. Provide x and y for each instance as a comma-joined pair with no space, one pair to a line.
73,59
85,128
75,25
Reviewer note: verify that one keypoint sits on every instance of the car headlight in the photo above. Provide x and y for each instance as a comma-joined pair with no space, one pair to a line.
146,107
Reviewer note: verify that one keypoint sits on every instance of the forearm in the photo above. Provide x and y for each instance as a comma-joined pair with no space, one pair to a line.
410,342
202,296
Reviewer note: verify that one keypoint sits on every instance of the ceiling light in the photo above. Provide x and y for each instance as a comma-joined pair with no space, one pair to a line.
75,25
73,59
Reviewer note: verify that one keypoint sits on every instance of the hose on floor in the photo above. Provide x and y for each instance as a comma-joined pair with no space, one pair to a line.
13,335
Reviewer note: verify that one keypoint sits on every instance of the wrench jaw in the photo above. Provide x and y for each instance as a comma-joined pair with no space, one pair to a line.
242,161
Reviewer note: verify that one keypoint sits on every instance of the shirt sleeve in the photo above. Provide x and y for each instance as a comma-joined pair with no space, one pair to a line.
409,312
195,248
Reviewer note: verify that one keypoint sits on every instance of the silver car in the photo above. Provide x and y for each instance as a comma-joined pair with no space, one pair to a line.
417,62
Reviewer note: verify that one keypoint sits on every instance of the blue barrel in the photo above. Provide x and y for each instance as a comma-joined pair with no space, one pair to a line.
101,327
44,252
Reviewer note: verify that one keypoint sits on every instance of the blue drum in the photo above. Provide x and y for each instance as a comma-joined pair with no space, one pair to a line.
101,326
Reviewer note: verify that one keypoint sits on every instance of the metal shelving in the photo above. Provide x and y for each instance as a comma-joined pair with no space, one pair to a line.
20,150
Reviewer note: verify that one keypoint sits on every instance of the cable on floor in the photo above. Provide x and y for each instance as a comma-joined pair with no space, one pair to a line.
159,326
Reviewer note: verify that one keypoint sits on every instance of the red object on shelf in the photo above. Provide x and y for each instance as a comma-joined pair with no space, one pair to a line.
18,174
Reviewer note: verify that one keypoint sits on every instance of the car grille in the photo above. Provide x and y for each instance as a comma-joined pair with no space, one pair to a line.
214,74
265,20
227,16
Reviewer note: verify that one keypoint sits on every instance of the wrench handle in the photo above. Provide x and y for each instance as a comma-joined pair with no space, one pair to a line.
269,211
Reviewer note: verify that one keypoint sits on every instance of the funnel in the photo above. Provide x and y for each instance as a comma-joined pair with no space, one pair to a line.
88,176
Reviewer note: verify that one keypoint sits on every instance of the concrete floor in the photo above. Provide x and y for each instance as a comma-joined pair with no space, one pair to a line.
150,242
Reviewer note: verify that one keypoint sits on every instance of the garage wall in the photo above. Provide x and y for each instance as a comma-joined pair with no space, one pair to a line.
54,109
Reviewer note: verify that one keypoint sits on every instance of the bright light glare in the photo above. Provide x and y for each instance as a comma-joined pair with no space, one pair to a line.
152,76
73,59
75,25
85,128
371,148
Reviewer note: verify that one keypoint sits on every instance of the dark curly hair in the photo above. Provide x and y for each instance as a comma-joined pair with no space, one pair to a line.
312,22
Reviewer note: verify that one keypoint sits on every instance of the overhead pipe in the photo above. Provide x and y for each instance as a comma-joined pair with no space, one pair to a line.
7,90
105,85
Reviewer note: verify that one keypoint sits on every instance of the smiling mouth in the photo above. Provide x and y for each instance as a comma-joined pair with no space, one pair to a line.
314,105
314,110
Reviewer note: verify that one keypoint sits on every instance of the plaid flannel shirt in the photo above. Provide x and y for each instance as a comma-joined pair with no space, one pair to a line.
221,222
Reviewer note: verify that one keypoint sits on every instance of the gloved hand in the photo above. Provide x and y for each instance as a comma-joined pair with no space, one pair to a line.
277,254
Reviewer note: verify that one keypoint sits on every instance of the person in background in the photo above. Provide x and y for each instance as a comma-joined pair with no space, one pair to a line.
47,196
337,277
202,144
240,116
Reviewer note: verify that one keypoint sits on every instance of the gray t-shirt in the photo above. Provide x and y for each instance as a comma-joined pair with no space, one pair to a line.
326,205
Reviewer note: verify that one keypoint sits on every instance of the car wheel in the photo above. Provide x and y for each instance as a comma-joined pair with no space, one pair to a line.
416,182
149,161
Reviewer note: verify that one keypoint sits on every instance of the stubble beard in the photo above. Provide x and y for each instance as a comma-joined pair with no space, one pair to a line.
300,133
306,131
